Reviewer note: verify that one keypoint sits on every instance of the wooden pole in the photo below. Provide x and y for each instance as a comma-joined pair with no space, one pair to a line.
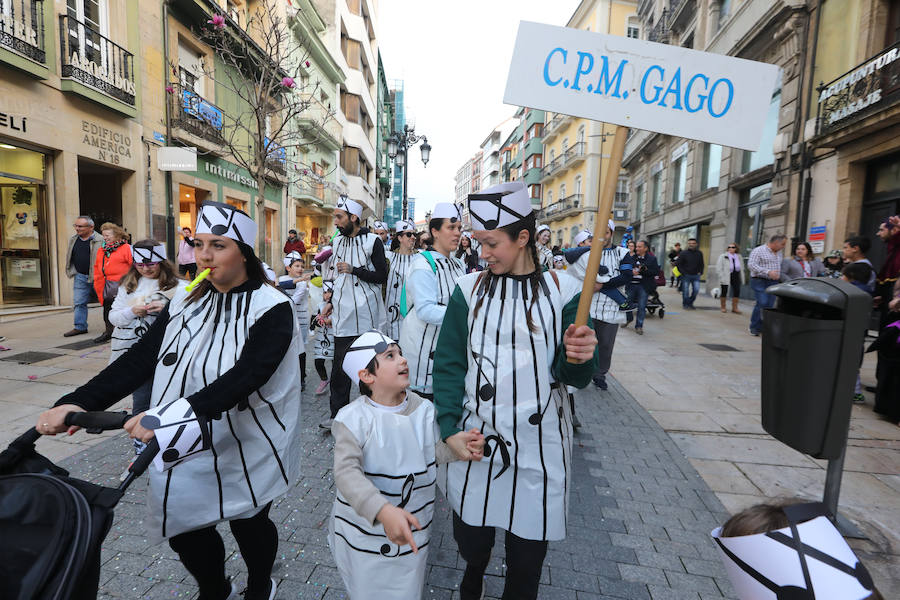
600,224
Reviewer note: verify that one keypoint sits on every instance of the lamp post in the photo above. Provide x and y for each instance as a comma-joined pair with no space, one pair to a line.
398,144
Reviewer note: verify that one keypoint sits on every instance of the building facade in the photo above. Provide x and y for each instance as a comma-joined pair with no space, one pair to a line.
576,151
397,182
385,130
682,188
71,141
853,127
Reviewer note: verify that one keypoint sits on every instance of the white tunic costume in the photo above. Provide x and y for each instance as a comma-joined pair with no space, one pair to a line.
358,305
418,337
398,455
603,308
299,295
129,328
545,255
397,271
522,483
255,454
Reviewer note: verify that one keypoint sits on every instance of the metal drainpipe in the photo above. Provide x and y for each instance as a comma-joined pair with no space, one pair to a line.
170,211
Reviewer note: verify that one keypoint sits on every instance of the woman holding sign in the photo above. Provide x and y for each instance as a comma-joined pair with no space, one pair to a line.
225,407
507,349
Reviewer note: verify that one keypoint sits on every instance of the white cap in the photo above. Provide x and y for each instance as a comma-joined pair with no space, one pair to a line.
542,228
351,206
581,236
270,272
773,564
401,226
447,210
380,225
499,206
218,218
362,351
327,286
611,225
291,257
148,255
559,258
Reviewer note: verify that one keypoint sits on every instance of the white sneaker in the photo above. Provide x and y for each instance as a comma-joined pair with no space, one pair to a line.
272,593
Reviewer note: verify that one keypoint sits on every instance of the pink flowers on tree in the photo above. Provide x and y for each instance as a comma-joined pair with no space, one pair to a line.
288,82
218,21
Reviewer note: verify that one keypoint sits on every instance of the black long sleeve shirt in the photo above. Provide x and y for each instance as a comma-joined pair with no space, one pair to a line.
267,343
380,274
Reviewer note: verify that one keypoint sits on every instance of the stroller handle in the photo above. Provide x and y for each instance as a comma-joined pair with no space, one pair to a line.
95,422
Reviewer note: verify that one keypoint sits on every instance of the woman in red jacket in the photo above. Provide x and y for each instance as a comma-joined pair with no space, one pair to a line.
112,262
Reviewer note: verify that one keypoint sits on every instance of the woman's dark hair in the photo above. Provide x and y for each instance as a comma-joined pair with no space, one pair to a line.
435,224
255,272
372,367
461,251
513,230
395,242
809,250
167,277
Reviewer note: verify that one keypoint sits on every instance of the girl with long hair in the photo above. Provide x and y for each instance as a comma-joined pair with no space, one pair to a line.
501,366
400,259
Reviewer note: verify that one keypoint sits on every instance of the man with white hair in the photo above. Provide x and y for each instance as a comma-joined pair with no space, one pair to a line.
82,250
358,268
606,311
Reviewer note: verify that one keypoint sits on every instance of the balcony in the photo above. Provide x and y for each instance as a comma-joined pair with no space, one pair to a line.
22,28
570,158
561,209
196,120
95,61
320,122
552,128
318,194
872,87
680,13
660,31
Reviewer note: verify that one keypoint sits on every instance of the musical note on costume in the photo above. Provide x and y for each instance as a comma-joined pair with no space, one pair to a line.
501,445
179,433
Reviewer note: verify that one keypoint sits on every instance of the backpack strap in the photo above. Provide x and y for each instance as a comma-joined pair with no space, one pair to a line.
430,260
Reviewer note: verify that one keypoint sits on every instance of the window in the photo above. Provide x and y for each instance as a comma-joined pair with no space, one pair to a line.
352,52
234,11
766,153
552,155
549,197
655,191
679,174
350,160
351,106
712,163
354,6
535,191
621,192
573,232
578,185
88,25
750,217
633,28
565,146
537,130
639,201
562,191
724,11
580,137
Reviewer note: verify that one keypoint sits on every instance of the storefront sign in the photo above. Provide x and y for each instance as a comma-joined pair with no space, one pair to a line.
176,158
230,175
20,30
112,146
105,74
817,239
668,89
13,122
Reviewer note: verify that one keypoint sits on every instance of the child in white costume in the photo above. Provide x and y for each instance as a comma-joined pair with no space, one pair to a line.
500,366
400,260
324,346
294,284
384,470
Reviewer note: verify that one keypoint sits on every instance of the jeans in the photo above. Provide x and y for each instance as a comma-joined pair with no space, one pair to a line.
82,288
763,300
140,398
606,339
637,295
690,287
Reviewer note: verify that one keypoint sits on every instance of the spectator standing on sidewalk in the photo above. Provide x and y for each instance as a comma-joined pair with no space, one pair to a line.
730,269
673,254
802,264
690,263
187,264
855,250
889,233
765,270
294,243
82,249
643,272
112,262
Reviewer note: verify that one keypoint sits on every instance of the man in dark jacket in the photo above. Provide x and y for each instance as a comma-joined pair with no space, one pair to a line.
643,271
690,263
80,255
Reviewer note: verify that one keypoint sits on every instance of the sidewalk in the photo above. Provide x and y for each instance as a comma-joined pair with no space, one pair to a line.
709,403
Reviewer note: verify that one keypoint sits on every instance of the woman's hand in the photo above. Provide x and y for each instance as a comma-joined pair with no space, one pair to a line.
155,307
139,311
467,445
136,431
579,343
53,421
397,522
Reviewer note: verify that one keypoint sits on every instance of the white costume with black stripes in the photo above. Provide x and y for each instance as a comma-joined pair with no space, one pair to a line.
545,255
417,337
398,458
255,454
358,306
129,327
522,484
299,295
324,347
398,268
603,308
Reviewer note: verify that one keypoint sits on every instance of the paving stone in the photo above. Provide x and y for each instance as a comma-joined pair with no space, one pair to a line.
642,574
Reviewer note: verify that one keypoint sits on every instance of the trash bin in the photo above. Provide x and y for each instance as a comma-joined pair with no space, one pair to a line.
812,344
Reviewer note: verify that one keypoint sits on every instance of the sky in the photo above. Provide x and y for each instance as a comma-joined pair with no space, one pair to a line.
454,58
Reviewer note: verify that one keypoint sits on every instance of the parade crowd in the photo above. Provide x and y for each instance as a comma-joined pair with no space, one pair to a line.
463,346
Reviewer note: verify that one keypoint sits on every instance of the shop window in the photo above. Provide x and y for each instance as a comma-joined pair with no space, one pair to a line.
712,164
750,217
766,153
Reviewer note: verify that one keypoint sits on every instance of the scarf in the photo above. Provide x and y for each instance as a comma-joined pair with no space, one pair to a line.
110,248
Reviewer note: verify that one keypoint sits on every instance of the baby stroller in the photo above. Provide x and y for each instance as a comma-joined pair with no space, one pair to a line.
654,302
51,525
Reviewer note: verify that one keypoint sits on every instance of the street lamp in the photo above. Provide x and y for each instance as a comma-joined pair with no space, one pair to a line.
398,144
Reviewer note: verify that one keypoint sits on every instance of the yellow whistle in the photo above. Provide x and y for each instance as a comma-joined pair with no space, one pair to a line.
200,277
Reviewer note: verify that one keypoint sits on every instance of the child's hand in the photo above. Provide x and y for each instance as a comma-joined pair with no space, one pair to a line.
397,524
467,445
476,444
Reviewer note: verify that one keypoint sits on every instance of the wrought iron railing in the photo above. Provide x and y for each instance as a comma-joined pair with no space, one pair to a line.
675,12
868,88
569,156
95,61
22,28
556,210
660,31
196,115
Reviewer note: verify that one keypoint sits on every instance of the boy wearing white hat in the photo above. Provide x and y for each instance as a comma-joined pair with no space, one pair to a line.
295,284
385,457
358,268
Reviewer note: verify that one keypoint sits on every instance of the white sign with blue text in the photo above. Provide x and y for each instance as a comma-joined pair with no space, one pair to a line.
639,84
